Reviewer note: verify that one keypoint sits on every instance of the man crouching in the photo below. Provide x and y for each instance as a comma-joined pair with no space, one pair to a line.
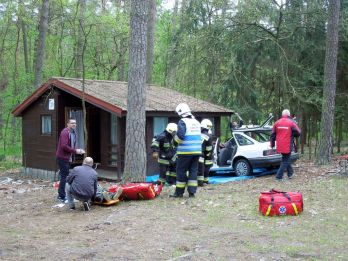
82,184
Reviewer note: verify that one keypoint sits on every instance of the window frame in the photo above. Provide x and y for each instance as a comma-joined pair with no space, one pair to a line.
42,117
237,135
162,129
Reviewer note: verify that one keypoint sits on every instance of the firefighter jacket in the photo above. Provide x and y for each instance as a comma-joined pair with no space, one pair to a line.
283,133
163,143
207,148
188,137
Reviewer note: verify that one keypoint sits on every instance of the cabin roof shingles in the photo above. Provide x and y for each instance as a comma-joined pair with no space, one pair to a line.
157,98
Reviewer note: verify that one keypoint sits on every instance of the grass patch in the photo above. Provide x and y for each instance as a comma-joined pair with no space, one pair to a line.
11,158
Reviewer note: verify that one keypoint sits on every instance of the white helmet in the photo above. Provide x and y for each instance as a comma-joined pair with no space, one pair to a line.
171,127
183,110
206,124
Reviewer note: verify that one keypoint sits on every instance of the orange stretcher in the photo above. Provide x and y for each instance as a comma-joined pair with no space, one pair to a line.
107,203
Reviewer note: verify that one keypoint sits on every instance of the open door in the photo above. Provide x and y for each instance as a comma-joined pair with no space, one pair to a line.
93,130
77,114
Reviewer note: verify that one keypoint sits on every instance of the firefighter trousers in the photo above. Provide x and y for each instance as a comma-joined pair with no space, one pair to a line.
203,173
167,173
186,164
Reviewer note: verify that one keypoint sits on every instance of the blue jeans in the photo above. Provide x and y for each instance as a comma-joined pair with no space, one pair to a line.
70,197
285,165
64,167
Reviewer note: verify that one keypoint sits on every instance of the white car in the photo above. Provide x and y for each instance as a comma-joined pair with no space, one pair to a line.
247,149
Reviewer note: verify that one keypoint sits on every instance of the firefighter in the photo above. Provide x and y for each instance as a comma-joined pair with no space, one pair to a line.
206,160
188,151
164,151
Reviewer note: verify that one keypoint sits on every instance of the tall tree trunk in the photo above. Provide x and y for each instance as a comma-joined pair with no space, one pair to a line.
172,50
339,134
80,38
328,106
303,124
24,35
121,76
40,46
151,22
135,156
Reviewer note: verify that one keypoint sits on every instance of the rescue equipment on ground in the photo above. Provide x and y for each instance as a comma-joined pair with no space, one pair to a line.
280,203
107,203
138,191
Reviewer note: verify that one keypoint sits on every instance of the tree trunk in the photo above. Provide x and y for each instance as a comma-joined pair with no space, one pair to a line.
122,66
80,38
172,50
303,130
339,134
309,138
328,106
40,47
151,22
24,35
135,155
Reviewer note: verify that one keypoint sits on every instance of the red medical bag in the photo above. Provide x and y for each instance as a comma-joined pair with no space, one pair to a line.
135,191
280,203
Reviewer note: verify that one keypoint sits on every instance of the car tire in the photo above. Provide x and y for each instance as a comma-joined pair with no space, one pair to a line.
242,168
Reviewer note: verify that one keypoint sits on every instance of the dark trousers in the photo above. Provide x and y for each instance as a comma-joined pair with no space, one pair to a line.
285,165
167,173
206,172
64,167
184,164
203,173
200,173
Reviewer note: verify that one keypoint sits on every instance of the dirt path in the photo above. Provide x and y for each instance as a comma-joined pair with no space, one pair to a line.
221,223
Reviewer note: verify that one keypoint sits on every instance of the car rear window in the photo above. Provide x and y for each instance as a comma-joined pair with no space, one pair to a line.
243,140
260,136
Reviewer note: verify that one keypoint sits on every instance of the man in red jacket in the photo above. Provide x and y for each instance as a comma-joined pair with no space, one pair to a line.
65,150
283,133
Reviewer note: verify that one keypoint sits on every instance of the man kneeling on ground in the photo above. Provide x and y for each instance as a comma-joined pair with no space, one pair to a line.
82,184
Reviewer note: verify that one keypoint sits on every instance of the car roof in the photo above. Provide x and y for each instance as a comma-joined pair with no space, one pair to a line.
253,128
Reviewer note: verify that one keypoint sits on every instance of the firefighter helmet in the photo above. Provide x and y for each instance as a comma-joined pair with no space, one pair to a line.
183,109
206,124
172,127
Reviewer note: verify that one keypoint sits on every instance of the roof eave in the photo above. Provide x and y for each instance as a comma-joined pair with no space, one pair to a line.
33,97
62,86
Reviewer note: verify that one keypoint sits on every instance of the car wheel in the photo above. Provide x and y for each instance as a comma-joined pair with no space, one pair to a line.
242,168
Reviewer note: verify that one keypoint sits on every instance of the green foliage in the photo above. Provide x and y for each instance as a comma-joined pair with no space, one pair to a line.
254,57
11,158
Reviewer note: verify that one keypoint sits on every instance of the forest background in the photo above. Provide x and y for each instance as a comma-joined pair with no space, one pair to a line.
255,57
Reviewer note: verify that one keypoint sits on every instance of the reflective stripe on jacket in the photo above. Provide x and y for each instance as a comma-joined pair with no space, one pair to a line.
189,142
207,148
164,145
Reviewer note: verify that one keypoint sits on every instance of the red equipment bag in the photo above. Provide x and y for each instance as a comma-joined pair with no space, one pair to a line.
280,203
135,191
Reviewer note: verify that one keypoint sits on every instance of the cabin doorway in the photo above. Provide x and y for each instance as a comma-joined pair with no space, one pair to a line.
92,144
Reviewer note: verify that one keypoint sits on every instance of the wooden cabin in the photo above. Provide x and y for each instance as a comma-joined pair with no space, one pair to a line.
45,112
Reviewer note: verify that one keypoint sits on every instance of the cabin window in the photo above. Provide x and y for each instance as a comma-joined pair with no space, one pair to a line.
159,125
46,124
113,140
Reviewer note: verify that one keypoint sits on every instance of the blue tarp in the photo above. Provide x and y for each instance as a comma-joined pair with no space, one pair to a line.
218,179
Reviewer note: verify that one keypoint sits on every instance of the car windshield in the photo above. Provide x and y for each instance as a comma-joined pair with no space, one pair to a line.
259,135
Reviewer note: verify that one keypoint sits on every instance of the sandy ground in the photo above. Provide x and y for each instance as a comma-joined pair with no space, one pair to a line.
221,223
